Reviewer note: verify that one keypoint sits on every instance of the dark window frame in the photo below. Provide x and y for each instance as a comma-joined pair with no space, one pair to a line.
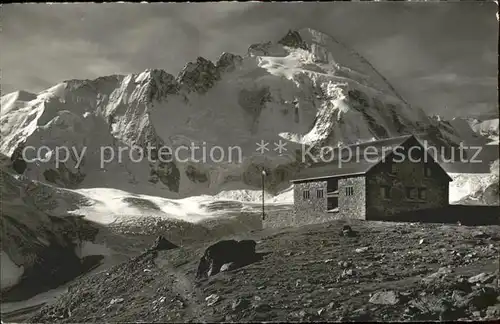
386,192
420,195
320,193
394,169
349,190
408,193
427,171
306,194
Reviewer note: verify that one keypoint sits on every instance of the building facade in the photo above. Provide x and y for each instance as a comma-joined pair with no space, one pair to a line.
401,180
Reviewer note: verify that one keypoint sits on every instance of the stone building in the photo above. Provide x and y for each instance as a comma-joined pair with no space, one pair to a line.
373,180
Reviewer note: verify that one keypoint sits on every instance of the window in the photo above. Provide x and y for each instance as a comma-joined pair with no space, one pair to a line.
411,193
422,193
319,193
427,171
332,202
349,191
385,192
306,194
394,168
332,185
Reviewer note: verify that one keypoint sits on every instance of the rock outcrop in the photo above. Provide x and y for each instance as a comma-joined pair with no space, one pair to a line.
161,244
225,252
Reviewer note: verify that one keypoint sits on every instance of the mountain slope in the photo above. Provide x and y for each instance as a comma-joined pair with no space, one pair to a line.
425,281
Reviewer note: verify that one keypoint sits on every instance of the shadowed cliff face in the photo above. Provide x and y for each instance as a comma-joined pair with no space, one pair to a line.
253,102
47,255
43,247
49,265
169,174
293,39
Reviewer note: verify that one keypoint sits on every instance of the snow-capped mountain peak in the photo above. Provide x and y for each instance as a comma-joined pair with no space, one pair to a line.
305,88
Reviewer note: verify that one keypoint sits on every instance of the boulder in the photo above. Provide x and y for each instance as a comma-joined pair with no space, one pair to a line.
431,307
228,267
483,278
247,247
226,252
212,299
493,312
261,307
481,298
480,235
384,298
240,304
347,231
439,275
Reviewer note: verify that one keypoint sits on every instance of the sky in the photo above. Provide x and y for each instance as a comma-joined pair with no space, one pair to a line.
439,56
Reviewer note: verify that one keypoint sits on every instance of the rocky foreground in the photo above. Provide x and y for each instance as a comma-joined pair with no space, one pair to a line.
377,272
